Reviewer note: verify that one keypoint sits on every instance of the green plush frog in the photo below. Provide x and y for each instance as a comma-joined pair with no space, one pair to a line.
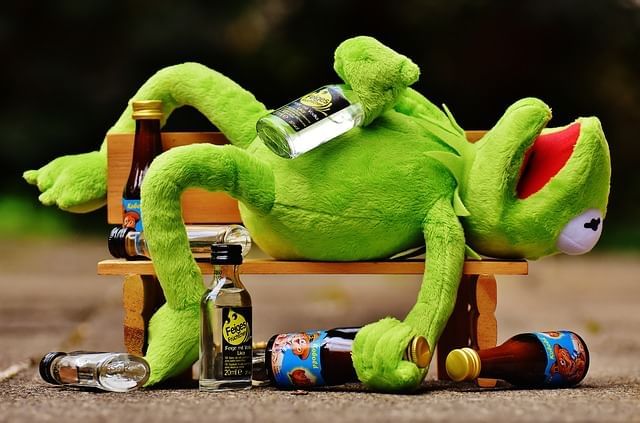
406,178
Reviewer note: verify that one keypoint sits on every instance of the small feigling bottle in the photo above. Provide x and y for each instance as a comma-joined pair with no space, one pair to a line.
225,325
146,146
131,244
115,372
318,358
310,121
540,359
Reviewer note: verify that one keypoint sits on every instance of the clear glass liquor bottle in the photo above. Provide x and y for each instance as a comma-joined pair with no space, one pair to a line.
132,245
225,325
115,372
310,121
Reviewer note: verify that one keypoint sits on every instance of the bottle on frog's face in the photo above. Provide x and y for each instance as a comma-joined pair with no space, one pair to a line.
539,359
146,146
310,121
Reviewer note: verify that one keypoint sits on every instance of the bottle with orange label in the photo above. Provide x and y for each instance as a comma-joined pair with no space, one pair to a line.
225,325
556,359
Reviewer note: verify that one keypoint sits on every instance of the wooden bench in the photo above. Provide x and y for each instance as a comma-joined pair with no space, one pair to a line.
472,323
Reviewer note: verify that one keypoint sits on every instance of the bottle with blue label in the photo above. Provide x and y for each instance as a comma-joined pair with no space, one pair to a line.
558,359
312,359
146,146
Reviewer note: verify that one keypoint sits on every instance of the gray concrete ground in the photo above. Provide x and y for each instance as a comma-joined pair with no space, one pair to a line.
52,299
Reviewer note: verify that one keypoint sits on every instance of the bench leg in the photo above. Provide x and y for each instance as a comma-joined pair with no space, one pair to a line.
473,322
141,297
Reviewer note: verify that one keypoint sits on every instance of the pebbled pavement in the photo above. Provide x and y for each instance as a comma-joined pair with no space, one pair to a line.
52,299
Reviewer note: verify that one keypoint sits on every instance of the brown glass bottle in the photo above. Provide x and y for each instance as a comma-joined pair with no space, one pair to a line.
146,146
323,358
539,359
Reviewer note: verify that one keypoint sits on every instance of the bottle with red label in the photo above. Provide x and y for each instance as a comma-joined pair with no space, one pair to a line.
540,359
146,146
311,359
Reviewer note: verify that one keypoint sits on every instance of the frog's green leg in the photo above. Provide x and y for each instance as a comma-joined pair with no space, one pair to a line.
231,108
378,347
78,183
173,330
377,74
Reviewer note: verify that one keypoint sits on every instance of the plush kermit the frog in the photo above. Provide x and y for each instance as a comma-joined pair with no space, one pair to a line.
406,178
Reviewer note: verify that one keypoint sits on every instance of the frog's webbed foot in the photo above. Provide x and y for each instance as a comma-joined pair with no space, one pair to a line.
377,356
75,183
377,74
173,342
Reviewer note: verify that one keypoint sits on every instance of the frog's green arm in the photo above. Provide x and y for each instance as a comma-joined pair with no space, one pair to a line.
78,183
444,237
231,108
378,347
377,74
173,331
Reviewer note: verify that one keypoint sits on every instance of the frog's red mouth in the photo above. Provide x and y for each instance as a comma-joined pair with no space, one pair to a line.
548,154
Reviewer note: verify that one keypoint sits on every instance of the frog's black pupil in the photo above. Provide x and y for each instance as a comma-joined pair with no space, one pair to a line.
593,225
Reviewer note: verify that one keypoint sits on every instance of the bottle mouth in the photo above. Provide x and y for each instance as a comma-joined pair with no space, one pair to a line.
116,241
275,141
45,366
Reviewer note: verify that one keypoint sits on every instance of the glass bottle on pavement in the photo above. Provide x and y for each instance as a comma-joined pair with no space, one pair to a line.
539,359
115,372
317,358
225,325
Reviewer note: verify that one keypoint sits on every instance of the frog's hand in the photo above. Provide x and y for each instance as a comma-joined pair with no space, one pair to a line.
378,348
173,331
377,74
230,107
75,183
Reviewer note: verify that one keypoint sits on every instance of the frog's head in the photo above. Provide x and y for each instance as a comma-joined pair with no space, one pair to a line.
532,191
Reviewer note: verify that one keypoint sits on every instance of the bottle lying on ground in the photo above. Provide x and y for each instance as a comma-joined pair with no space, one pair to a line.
115,372
310,121
131,244
320,358
539,359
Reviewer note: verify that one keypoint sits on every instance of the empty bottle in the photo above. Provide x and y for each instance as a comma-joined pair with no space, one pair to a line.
115,372
322,358
225,325
539,359
146,146
310,121
131,244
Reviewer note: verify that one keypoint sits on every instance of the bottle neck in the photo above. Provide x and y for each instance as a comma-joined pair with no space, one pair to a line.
227,274
146,146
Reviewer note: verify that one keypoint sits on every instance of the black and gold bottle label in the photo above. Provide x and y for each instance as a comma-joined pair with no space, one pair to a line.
236,342
312,107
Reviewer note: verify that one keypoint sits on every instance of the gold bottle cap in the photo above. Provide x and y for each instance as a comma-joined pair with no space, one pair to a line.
260,345
147,109
419,352
463,364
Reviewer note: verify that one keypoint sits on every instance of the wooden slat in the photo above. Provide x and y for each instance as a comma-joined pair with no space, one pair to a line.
198,206
271,267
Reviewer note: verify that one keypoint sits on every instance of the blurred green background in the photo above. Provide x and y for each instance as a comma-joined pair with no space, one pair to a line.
69,68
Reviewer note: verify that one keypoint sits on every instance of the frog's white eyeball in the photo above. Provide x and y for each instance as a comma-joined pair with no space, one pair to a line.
581,234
